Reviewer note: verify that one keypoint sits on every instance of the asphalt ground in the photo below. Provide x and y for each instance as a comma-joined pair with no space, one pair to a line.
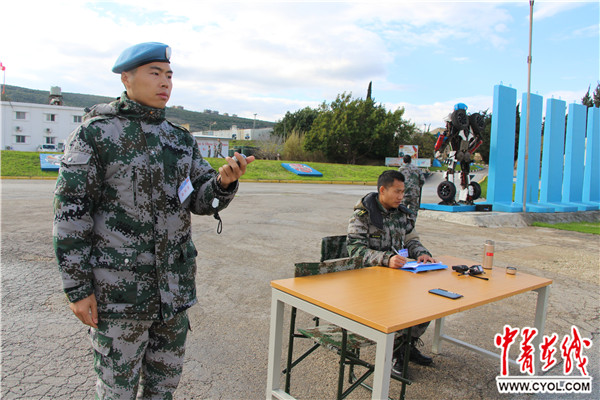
46,354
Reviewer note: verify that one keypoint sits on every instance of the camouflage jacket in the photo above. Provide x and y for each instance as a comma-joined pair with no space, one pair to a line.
120,229
373,231
413,182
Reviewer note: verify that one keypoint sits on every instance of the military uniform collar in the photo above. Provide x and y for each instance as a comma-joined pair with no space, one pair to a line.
132,109
382,208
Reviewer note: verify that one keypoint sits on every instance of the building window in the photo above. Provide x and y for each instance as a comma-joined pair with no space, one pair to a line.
20,139
20,115
77,119
50,140
51,117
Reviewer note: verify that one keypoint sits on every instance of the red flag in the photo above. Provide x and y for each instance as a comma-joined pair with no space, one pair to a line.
2,67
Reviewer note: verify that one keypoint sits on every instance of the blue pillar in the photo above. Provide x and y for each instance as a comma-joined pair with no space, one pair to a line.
574,157
591,174
534,152
502,149
553,156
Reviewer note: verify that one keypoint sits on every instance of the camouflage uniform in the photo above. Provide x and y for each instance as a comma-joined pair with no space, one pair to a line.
413,182
128,352
121,231
373,231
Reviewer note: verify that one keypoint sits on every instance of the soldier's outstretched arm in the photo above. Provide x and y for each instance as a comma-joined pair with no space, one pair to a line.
209,184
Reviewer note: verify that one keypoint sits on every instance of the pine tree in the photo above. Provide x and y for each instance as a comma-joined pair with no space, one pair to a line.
597,95
587,99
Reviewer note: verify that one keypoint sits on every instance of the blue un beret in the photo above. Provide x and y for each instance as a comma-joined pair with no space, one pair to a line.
140,54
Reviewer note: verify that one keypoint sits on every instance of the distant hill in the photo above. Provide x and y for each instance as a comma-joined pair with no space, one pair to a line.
198,121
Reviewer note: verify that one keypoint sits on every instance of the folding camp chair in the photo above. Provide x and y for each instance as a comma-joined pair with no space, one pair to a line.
332,337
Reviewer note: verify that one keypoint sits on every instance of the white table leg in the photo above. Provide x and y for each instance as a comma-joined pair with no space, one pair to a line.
438,331
383,366
275,342
540,320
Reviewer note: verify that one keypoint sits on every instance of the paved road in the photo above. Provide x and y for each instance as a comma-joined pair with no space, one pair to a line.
46,354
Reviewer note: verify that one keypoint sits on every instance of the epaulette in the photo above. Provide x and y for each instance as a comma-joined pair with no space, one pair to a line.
361,213
183,128
89,121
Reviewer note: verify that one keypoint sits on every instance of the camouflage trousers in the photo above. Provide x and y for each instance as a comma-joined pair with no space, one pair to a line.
415,332
418,330
130,354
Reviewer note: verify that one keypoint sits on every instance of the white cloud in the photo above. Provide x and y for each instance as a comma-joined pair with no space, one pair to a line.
592,31
268,57
546,9
433,114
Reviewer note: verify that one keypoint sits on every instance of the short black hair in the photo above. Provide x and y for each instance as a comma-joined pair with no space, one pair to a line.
407,159
387,178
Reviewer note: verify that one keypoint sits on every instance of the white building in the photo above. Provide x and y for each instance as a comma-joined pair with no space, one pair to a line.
240,134
33,127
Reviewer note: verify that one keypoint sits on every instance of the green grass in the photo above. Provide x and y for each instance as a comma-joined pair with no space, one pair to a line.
23,164
583,227
27,165
272,170
484,184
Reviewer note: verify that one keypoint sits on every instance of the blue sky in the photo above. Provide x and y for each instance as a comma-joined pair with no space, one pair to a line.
270,57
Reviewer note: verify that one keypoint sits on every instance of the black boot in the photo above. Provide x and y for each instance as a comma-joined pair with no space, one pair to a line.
416,355
398,362
398,356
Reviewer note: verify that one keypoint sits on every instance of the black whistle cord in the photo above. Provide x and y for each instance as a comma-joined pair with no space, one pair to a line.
220,225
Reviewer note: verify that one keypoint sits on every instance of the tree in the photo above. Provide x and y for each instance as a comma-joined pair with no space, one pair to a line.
299,121
597,95
593,100
355,130
426,143
587,99
484,149
517,131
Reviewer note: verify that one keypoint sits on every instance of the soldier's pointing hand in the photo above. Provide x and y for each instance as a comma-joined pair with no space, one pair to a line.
233,170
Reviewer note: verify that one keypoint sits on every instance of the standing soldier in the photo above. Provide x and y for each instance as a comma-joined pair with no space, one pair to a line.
219,148
413,181
128,182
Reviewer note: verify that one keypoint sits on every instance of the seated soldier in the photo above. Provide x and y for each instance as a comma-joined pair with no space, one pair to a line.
379,225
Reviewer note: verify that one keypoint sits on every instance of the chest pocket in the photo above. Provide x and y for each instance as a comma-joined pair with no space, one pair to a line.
376,240
73,176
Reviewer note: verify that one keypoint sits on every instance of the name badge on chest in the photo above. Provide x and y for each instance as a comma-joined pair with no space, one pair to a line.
185,189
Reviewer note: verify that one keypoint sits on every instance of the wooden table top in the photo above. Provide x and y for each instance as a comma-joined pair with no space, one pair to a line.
389,300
